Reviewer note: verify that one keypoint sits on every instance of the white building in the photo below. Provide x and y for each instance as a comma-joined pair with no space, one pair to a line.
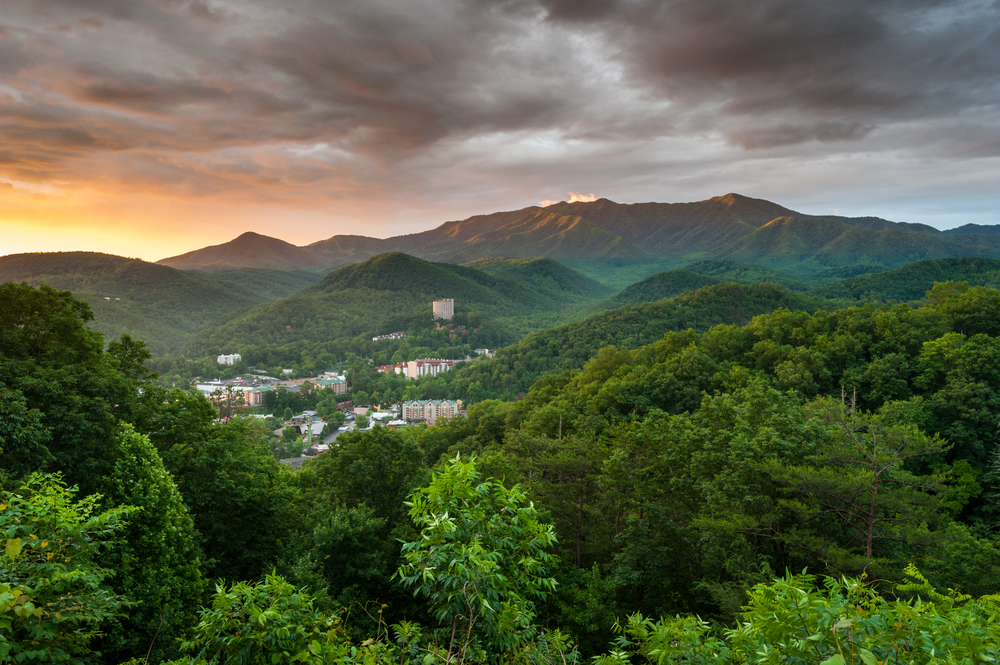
444,309
231,359
425,366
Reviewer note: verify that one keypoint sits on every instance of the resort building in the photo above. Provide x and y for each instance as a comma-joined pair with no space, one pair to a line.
425,366
430,410
444,309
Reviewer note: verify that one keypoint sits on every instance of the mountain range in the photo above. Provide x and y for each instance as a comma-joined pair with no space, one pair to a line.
730,227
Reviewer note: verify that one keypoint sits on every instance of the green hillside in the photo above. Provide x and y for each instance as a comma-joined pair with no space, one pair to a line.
569,346
151,302
545,276
912,281
662,285
734,271
269,285
411,277
385,293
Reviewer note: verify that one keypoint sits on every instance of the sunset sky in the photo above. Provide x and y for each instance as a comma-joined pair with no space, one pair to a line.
148,128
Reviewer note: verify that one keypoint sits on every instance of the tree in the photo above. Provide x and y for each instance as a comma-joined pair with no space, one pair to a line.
852,497
154,557
54,598
240,500
482,561
228,402
23,437
79,392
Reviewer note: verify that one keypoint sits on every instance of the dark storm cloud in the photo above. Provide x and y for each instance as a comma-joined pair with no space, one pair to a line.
206,85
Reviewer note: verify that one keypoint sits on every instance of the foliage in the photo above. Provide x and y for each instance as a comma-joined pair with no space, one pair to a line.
239,498
54,598
23,437
481,560
516,368
78,391
158,304
912,281
845,622
154,557
268,622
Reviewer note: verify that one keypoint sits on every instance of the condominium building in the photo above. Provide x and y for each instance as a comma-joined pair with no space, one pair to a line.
425,366
444,309
230,359
430,410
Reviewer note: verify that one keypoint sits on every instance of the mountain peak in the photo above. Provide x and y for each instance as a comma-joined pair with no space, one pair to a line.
248,250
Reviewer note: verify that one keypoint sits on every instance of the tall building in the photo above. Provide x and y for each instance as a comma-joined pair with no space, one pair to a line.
424,366
444,309
229,359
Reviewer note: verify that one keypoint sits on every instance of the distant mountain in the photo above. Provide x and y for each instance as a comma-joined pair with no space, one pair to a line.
811,244
618,244
975,229
250,250
387,290
911,282
543,275
341,250
155,303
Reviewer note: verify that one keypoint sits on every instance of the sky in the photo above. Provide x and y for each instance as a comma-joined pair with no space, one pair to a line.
148,128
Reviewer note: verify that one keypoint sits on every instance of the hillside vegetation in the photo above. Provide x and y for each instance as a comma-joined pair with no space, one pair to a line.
394,292
515,368
912,281
648,503
156,303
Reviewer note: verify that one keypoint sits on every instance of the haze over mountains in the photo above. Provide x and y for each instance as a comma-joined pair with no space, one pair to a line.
730,227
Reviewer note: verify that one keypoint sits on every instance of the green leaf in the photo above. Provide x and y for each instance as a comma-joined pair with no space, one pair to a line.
868,657
835,659
13,548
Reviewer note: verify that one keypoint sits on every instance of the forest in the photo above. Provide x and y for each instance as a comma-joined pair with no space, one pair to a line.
774,481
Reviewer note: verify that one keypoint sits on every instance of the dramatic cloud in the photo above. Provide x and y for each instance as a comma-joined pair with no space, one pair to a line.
308,118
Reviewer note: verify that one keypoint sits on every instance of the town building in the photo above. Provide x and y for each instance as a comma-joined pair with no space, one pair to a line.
230,359
396,335
253,389
337,384
430,410
444,309
427,366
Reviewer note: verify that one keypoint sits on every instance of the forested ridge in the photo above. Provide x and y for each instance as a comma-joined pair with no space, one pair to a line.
656,500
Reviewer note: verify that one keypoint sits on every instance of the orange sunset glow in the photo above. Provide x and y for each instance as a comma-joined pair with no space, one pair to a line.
153,127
